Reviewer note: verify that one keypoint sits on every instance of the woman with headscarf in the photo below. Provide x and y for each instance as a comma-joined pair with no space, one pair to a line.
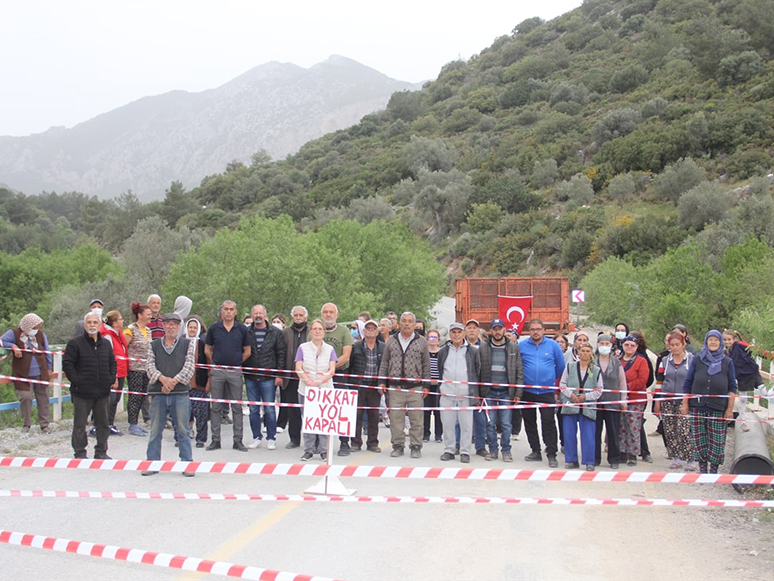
621,332
28,365
200,382
113,329
710,389
636,370
748,374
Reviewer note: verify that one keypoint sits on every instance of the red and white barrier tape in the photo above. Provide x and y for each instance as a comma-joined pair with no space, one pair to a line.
408,472
387,499
150,558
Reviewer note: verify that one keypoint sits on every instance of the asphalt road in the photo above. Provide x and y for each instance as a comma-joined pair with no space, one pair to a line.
368,541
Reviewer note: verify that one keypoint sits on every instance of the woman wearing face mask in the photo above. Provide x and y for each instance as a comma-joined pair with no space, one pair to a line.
434,345
279,321
27,365
636,371
677,429
621,331
200,382
711,373
611,403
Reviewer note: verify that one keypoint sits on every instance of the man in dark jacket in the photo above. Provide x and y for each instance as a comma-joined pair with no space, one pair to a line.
294,335
501,366
267,351
365,360
90,366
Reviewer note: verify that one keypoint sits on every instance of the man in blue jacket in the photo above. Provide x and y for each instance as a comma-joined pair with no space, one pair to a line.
543,363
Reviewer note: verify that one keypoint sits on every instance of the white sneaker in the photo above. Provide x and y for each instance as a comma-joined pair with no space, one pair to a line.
254,444
271,445
280,430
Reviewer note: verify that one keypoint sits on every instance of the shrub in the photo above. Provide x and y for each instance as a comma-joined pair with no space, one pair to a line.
622,188
614,124
704,204
628,78
545,173
677,178
577,191
739,68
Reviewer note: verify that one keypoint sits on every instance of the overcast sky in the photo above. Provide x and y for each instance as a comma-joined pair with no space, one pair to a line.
63,62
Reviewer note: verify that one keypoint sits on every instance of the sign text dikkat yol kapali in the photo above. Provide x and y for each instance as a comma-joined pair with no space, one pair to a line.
330,411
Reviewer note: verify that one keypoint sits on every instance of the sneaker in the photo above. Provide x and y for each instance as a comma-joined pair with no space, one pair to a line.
374,449
92,431
589,468
614,466
425,438
239,446
481,452
102,457
507,457
280,430
465,459
632,460
354,448
446,456
676,464
306,457
571,466
115,431
255,444
290,445
271,445
692,466
647,458
200,444
214,445
416,452
324,456
344,449
439,440
552,463
397,452
136,430
149,472
491,456
189,474
534,457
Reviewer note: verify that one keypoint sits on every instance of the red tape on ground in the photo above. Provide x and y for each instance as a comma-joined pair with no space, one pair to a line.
150,558
387,499
408,472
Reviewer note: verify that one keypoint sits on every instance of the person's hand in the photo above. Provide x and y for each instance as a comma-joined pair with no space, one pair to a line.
16,351
277,382
382,389
425,393
115,384
207,387
624,406
657,408
574,398
684,408
730,414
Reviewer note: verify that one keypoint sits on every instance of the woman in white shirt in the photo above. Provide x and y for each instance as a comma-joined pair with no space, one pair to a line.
315,366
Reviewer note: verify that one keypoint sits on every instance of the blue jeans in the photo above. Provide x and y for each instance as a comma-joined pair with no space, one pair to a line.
178,405
262,390
499,397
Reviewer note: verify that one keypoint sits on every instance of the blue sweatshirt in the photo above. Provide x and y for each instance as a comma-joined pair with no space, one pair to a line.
543,363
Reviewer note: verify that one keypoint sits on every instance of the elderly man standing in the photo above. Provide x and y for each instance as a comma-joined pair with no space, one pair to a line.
156,325
294,335
171,362
267,352
90,366
459,369
366,359
406,356
341,340
227,344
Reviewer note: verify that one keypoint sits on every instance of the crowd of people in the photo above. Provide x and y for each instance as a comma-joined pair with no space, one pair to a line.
481,386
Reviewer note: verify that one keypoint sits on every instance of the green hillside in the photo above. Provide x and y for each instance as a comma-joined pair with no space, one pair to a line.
619,130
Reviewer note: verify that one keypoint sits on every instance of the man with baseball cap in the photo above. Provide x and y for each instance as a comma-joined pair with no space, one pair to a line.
365,361
501,366
171,361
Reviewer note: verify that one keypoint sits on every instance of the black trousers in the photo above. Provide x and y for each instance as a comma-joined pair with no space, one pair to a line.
611,421
290,416
547,421
82,407
367,397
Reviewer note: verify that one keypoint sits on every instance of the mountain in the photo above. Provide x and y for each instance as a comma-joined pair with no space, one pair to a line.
145,145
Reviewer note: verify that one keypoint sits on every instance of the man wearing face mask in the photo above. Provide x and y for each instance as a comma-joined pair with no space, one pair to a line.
267,352
90,366
97,306
294,335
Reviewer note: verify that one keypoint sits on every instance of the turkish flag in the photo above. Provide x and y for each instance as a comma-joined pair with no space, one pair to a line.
513,310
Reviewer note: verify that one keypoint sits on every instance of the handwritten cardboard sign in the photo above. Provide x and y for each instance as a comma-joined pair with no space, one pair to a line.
330,411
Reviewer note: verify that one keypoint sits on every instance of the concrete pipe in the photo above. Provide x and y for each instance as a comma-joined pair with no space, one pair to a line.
751,451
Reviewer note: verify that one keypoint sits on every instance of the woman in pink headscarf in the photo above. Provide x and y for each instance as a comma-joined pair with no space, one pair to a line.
28,363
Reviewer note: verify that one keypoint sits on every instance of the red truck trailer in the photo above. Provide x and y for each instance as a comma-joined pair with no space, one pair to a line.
477,299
